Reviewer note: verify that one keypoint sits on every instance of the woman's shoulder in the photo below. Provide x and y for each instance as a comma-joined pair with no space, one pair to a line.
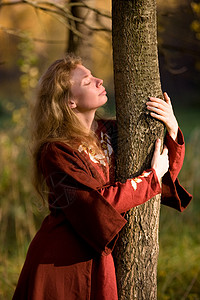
54,150
52,146
59,155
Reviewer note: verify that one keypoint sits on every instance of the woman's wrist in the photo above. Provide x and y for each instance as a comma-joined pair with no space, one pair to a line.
173,132
157,173
157,177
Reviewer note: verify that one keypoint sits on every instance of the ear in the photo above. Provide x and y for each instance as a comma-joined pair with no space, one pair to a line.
72,103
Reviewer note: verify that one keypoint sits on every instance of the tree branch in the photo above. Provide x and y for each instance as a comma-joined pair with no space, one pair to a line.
23,34
63,14
106,15
63,9
59,10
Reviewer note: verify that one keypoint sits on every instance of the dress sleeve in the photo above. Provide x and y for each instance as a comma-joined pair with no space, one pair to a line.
93,210
173,194
176,153
134,192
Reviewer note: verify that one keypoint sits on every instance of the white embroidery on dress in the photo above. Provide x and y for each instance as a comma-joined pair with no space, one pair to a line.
106,145
145,174
96,158
138,179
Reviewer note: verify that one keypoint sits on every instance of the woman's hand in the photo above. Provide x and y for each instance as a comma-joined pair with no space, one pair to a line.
163,111
160,162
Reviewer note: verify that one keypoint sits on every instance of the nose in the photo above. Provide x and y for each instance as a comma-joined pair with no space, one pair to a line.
99,82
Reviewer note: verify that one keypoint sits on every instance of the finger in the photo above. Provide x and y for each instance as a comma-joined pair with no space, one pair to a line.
157,103
157,110
157,107
154,99
157,146
165,150
158,117
167,99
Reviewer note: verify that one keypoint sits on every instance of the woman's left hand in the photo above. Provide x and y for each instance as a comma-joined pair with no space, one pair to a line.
163,111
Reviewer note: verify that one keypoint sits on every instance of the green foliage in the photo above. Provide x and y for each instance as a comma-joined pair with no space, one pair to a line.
178,268
28,63
195,26
19,214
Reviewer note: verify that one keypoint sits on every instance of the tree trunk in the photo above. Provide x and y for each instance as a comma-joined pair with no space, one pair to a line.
136,74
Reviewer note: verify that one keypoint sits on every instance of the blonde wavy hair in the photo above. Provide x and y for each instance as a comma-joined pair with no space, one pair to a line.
52,119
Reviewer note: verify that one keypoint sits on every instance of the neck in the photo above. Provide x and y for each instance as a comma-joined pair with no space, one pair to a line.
87,120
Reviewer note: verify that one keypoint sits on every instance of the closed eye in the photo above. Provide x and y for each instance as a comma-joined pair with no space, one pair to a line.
87,83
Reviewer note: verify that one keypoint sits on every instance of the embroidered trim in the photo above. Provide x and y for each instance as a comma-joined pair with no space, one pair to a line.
96,158
106,145
138,179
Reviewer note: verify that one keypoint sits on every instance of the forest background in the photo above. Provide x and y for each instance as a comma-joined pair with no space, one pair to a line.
30,39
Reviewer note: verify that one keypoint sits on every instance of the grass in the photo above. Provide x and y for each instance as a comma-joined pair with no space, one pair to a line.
178,265
179,258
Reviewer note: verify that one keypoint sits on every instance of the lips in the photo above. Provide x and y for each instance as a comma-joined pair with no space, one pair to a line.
103,93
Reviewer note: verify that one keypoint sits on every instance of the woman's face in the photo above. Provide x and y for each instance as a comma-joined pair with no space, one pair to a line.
87,91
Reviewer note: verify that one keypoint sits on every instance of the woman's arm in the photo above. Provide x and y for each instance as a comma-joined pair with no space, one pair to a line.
65,170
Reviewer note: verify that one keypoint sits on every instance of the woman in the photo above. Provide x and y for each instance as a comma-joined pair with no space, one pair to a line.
70,256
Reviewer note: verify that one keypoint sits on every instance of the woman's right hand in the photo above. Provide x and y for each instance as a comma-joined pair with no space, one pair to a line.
160,162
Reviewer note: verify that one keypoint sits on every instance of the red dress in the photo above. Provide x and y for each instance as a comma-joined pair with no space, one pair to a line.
70,258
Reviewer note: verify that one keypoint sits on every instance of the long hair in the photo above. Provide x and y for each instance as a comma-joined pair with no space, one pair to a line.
52,119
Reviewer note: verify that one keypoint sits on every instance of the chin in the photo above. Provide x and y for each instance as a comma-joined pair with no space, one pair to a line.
106,99
103,101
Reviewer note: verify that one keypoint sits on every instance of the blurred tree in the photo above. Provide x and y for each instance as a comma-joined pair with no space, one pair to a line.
87,27
79,42
179,51
136,78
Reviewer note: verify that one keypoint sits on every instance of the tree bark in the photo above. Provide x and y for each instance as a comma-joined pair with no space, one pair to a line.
136,75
